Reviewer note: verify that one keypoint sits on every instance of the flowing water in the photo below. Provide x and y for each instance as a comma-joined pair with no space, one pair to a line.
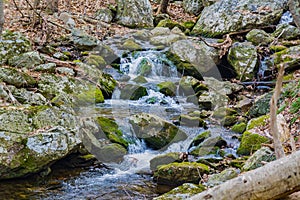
130,179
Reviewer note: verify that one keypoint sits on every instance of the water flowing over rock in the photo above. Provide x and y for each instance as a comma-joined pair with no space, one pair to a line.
156,132
227,16
134,13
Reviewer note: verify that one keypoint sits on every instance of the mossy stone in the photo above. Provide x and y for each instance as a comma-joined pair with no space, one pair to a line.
170,24
144,68
200,138
191,121
256,122
92,95
229,120
239,128
140,79
131,45
133,92
96,60
250,143
164,159
259,37
168,88
13,77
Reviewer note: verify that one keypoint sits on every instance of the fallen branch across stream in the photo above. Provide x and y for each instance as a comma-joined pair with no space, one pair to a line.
275,180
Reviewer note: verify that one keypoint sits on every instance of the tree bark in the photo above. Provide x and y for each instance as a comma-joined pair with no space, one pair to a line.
1,16
279,152
163,7
275,180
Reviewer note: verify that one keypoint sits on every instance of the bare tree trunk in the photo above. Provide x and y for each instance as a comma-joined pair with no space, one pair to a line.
279,152
163,7
275,180
1,16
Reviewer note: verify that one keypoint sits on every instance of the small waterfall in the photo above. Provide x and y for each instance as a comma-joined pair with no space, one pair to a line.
286,18
151,64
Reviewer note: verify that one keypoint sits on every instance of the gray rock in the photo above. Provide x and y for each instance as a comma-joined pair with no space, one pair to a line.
264,154
164,159
286,31
259,37
165,39
82,40
243,58
225,175
157,133
104,15
233,15
26,60
134,13
13,77
193,6
133,92
65,71
49,67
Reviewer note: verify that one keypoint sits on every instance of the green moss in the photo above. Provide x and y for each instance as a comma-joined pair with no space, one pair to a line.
140,79
129,44
92,95
168,167
107,85
277,48
239,128
144,68
170,24
250,143
96,60
256,122
188,25
112,131
168,88
229,120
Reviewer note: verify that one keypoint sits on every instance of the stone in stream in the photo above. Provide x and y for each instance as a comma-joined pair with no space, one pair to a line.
155,131
233,15
168,88
133,92
179,173
210,145
166,159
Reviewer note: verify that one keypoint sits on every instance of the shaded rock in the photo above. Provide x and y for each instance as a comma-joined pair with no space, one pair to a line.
286,31
182,192
169,24
107,84
200,138
229,120
66,71
258,159
190,86
244,104
164,159
209,146
133,92
222,112
28,97
261,105
228,16
156,132
259,37
112,131
110,153
168,88
160,17
26,60
243,57
82,40
134,13
179,173
13,43
13,77
225,175
160,31
193,6
140,79
104,15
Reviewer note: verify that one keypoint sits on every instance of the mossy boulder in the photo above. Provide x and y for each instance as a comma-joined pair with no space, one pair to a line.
133,92
289,57
107,85
168,88
24,96
229,120
189,85
13,43
185,191
164,159
200,138
191,121
27,60
48,67
165,40
12,76
156,132
112,131
140,79
134,13
105,15
286,31
110,153
91,95
131,45
243,58
251,142
96,60
223,111
169,24
179,173
229,16
259,37
239,128
82,40
264,154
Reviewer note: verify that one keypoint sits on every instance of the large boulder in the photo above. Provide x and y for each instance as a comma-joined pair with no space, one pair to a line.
13,77
157,133
26,60
288,57
134,13
133,92
179,173
243,58
227,16
225,175
164,159
258,159
193,59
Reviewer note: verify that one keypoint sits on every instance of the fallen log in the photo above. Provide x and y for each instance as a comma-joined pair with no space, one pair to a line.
275,180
